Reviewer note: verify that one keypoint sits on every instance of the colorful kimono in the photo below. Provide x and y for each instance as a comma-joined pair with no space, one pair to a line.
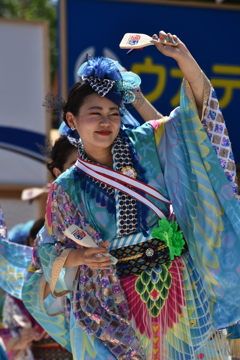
16,262
234,340
3,355
15,317
173,309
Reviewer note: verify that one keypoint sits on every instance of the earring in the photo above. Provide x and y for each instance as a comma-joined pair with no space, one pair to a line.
73,128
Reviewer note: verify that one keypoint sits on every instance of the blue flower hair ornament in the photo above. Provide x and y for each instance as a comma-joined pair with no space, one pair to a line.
119,83
102,68
71,135
108,78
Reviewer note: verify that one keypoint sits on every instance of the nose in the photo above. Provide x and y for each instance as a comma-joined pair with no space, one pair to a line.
104,121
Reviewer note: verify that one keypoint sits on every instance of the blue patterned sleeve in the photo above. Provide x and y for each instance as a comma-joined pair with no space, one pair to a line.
53,245
215,126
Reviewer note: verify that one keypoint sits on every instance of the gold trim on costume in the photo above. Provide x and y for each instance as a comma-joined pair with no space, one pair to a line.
139,255
56,269
42,287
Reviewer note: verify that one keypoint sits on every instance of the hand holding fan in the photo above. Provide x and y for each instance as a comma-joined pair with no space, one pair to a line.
138,41
82,238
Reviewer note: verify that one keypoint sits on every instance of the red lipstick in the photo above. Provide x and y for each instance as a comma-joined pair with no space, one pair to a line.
104,132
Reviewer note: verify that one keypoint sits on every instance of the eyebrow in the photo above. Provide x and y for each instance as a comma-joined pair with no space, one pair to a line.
100,108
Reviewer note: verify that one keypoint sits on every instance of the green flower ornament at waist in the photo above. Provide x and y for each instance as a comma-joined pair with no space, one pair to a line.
168,232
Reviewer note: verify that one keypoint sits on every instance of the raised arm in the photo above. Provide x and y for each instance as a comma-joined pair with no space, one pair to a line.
145,109
186,63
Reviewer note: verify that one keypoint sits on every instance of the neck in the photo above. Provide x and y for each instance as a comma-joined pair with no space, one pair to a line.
101,156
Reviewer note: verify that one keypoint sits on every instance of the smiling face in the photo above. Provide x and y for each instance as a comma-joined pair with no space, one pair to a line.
97,123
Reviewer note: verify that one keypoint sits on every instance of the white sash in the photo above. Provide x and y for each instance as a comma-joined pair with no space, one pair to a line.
118,180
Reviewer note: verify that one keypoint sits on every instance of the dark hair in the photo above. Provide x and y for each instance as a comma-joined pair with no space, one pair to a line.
38,224
59,154
76,98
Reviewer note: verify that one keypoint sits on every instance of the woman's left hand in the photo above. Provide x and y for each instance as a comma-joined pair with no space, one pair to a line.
177,51
186,63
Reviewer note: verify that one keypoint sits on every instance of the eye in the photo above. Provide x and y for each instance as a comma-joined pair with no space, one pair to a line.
115,114
95,113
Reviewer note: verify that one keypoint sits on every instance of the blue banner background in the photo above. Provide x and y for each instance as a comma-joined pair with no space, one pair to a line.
211,35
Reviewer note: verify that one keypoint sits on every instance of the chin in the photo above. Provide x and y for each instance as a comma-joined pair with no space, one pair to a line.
104,143
106,140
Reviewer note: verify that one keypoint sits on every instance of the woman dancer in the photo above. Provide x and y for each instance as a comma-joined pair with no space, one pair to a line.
168,293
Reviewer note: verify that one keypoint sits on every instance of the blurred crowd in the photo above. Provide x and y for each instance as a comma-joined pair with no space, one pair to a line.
21,337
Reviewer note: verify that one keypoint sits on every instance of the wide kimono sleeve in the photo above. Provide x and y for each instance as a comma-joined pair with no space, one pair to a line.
199,172
47,307
7,341
14,262
54,246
